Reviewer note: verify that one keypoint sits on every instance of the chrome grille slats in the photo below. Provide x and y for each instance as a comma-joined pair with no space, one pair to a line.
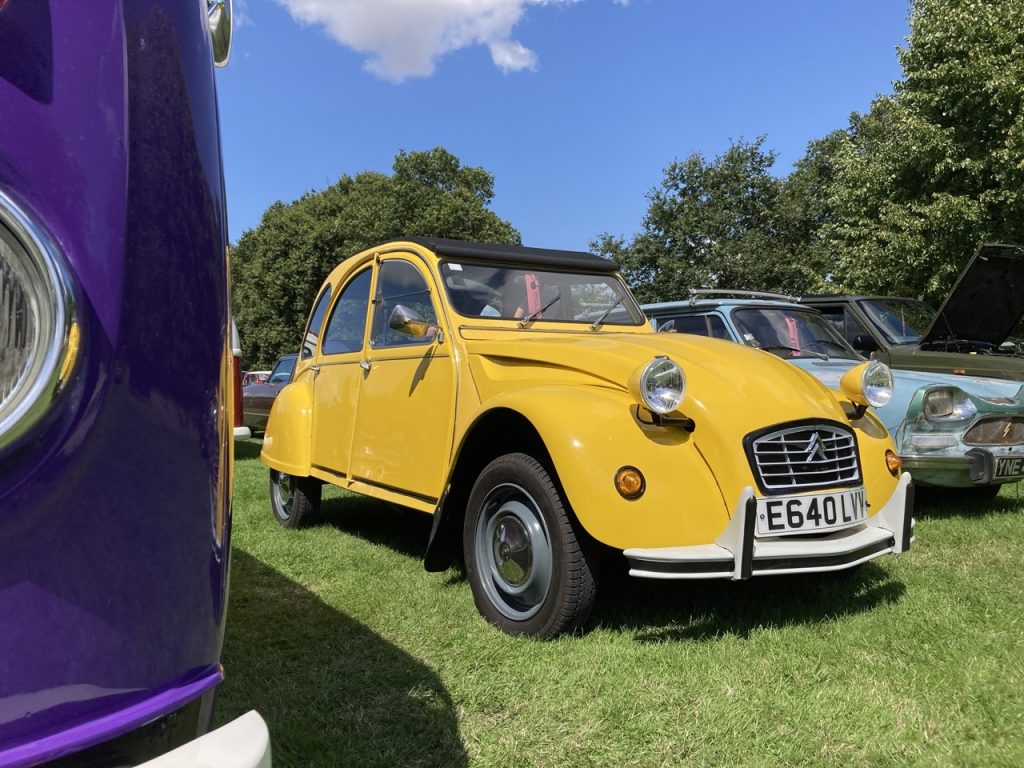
803,457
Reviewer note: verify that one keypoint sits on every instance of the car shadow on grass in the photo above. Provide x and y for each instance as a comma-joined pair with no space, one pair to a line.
944,503
248,448
682,610
403,530
332,692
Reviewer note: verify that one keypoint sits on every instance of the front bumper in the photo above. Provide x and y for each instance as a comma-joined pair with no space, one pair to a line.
242,743
739,554
975,467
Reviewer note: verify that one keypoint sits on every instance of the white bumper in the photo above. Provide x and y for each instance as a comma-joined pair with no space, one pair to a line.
241,432
242,743
739,553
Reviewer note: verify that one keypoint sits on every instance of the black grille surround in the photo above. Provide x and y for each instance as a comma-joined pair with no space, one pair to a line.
801,456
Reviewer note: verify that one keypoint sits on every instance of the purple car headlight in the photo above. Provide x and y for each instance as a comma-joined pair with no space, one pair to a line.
38,337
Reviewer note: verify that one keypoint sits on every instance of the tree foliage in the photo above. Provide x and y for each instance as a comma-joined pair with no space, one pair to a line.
895,203
278,267
714,224
936,168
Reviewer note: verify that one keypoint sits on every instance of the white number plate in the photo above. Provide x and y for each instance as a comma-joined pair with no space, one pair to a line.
1008,468
782,515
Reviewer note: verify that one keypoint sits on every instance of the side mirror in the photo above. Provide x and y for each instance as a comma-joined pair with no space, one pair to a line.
862,342
219,17
408,321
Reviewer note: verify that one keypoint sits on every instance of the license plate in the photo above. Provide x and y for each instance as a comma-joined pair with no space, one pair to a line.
1009,468
807,514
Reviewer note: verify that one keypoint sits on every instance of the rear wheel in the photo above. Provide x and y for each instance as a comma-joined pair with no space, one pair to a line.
531,572
295,501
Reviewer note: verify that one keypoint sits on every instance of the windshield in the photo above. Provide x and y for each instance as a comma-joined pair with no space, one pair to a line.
791,332
282,373
901,321
525,293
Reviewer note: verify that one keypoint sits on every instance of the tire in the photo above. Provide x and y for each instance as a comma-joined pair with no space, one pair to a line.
531,572
294,501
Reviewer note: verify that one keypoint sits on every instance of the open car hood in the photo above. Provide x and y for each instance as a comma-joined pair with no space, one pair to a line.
987,301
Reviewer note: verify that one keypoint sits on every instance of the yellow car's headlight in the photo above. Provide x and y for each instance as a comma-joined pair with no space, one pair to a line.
868,384
660,385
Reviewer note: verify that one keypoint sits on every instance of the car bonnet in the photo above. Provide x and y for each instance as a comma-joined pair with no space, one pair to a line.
987,301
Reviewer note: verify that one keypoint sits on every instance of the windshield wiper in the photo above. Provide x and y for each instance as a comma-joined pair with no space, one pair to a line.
597,323
539,312
818,355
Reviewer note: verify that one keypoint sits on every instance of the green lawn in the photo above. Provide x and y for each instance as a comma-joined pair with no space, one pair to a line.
356,656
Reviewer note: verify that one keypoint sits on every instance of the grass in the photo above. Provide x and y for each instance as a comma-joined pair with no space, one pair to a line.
356,656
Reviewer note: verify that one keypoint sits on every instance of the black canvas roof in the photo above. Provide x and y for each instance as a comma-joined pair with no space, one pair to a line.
519,254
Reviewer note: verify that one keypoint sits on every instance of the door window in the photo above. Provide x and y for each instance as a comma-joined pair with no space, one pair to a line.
347,325
400,282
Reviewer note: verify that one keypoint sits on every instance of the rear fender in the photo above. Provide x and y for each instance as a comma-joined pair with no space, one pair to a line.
286,443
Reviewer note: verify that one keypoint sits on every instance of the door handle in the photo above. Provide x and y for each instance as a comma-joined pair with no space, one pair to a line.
364,364
315,368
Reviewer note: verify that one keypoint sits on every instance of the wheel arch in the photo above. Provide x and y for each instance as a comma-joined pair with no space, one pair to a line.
495,432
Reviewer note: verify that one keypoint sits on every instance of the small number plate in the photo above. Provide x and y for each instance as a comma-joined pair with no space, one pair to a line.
784,515
1010,468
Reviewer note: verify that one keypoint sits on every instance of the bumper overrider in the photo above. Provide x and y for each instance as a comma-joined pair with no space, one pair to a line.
740,553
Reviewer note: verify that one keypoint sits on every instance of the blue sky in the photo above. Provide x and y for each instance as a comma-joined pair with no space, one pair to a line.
575,106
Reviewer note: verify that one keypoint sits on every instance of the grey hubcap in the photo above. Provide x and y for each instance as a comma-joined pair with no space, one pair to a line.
513,552
284,490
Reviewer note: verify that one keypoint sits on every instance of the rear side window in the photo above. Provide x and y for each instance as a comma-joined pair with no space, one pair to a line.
345,329
315,323
701,325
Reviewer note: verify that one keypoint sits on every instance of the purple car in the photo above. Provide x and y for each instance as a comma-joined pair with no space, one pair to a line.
115,386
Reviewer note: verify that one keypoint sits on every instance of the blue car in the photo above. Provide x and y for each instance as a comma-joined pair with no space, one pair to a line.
951,431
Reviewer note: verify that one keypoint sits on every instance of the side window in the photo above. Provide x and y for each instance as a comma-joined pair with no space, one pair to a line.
348,318
702,325
400,283
316,321
844,322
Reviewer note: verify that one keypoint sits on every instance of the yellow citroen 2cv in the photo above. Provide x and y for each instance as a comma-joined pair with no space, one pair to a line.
520,397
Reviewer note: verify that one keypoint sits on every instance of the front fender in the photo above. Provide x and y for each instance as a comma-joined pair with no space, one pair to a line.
590,434
286,442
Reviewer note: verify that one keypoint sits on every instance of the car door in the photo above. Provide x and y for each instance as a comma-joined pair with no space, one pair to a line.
404,421
338,375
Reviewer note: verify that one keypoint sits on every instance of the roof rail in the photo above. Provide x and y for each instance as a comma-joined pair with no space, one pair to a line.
696,293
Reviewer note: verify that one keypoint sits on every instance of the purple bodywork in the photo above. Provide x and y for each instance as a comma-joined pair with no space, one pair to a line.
115,510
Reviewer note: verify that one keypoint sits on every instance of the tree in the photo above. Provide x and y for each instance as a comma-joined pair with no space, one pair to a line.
710,224
278,267
938,167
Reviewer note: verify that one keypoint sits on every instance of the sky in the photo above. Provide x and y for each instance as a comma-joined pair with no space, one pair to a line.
574,106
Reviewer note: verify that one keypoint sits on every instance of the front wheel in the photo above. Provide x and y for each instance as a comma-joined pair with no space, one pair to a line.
295,501
530,571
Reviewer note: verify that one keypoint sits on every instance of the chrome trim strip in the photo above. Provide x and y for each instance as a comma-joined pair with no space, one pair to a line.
35,399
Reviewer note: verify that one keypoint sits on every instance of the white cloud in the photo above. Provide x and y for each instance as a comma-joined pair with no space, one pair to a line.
406,38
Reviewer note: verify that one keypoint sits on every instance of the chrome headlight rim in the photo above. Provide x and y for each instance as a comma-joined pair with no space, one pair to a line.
877,394
642,379
958,398
40,262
